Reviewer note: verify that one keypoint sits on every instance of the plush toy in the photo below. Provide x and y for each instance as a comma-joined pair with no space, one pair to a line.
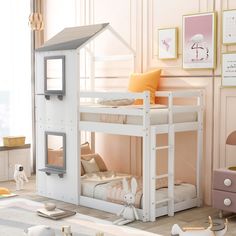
128,212
66,230
40,230
215,229
19,176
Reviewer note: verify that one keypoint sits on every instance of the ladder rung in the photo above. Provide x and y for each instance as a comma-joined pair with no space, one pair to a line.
161,176
162,147
163,200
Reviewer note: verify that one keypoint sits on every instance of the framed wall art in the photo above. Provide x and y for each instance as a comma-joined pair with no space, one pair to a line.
167,43
229,27
229,69
199,41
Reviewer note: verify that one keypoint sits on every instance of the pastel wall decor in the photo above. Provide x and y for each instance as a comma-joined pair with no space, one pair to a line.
199,41
229,69
167,43
229,27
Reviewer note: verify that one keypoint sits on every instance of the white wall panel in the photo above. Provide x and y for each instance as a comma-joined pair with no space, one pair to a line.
59,14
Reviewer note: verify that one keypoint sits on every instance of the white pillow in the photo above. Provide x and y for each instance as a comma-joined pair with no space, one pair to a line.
115,102
90,166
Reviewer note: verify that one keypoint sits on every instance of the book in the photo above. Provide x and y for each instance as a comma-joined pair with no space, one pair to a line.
63,214
56,212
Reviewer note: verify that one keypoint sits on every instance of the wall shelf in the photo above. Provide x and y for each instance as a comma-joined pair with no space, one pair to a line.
48,96
50,171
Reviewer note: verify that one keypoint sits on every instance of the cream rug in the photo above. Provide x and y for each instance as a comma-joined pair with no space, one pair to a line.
17,214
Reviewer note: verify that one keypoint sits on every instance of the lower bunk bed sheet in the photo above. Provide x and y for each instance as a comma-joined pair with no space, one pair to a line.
107,186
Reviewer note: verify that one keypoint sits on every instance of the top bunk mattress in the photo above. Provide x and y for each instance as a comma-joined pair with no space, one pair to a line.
158,115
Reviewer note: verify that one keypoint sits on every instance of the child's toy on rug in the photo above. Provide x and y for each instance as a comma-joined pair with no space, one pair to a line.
66,230
128,212
19,176
40,230
216,228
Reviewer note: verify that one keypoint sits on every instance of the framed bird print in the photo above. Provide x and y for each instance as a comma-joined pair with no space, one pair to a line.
167,43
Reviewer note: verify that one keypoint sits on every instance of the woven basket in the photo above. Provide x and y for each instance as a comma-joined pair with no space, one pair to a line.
13,141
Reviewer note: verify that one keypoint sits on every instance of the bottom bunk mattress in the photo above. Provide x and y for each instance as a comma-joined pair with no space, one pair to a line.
107,186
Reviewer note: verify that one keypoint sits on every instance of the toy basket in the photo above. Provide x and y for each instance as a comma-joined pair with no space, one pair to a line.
13,141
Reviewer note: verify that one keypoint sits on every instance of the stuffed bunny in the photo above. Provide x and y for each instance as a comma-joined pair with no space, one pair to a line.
128,212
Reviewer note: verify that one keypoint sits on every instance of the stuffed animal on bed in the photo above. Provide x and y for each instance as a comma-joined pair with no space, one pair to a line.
20,176
128,212
218,228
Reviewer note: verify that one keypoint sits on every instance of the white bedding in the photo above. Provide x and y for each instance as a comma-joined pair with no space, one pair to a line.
158,113
98,188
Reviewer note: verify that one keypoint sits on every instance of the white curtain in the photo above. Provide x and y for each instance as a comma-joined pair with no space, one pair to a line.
15,73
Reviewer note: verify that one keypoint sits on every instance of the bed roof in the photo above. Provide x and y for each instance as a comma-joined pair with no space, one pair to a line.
72,38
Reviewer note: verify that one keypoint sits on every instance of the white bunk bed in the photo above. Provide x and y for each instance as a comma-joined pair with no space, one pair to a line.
191,120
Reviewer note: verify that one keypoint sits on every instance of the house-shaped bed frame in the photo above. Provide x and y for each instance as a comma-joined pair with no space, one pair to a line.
64,115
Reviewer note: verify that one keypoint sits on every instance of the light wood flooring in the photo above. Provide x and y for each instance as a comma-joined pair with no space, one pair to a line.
192,217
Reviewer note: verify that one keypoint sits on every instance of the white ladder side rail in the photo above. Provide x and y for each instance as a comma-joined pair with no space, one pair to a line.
171,156
153,163
153,176
146,157
199,148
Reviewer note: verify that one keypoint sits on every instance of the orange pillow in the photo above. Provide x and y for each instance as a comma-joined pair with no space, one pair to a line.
140,82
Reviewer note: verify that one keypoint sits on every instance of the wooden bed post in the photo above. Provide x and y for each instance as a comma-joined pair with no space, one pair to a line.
146,156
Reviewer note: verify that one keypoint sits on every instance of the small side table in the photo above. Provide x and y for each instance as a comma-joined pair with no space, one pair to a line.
224,190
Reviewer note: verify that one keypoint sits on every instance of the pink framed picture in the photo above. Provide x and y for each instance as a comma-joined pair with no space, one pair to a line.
199,41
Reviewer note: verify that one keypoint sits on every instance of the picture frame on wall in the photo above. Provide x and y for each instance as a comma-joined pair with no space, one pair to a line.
229,27
167,43
199,41
229,69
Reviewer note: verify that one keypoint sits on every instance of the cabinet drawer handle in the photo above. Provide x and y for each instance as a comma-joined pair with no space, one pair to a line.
227,202
227,182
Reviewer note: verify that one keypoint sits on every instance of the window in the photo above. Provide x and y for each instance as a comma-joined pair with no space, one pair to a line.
15,72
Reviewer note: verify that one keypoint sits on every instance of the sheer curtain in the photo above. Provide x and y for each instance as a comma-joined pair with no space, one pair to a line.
15,73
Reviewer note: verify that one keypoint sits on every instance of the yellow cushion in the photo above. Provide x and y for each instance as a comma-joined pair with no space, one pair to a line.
145,82
4,191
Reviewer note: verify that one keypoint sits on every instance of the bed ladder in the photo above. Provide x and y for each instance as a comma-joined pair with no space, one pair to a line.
154,158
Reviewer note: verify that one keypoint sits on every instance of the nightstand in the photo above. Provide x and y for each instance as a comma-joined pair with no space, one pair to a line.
224,190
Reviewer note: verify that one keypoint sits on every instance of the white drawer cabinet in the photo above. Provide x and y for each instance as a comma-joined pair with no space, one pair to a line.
11,156
3,165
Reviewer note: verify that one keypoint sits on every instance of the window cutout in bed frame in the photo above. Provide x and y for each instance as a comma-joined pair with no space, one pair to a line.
55,153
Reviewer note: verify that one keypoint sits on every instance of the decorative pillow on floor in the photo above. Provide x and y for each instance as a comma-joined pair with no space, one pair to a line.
90,166
145,82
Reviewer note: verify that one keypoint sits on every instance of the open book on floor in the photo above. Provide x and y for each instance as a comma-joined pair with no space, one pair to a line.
55,214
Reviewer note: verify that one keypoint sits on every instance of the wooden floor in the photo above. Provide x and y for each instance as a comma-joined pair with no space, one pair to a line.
192,217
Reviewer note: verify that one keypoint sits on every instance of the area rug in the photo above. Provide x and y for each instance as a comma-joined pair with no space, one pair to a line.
17,214
7,195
